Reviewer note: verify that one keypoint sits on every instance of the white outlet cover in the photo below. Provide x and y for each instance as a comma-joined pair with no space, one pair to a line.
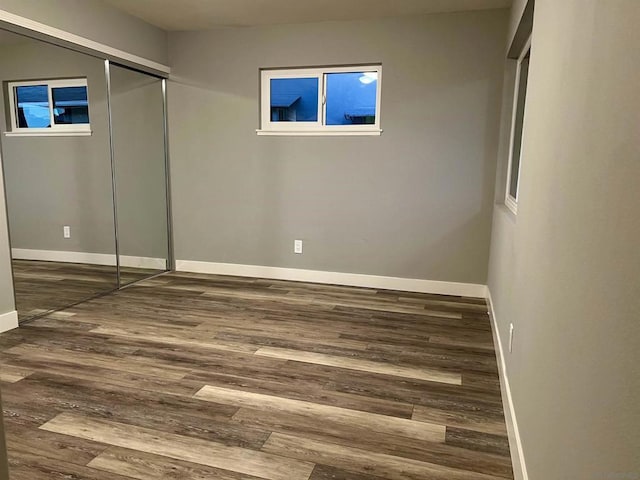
297,246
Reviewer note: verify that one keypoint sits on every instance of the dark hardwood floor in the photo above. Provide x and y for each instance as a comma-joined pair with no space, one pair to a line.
204,377
44,286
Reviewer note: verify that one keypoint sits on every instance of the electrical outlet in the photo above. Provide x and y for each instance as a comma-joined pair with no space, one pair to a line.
510,337
66,231
297,246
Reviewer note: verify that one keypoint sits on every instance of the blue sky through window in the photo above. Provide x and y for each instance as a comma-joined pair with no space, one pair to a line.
321,101
70,105
351,98
294,99
33,106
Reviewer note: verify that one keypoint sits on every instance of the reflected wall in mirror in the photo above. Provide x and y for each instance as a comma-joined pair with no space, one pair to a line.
137,118
57,171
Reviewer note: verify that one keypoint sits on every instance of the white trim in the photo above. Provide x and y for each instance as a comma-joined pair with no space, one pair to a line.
32,26
63,256
515,443
143,262
52,117
319,127
334,278
511,204
265,84
313,133
54,133
54,128
8,321
88,258
509,200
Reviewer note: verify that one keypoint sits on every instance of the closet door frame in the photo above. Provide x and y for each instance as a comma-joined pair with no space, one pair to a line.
170,260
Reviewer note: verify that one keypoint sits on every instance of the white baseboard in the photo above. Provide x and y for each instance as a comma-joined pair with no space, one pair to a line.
143,262
8,321
88,257
515,443
334,278
62,256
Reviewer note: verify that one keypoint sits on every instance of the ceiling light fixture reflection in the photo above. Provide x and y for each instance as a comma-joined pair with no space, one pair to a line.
368,77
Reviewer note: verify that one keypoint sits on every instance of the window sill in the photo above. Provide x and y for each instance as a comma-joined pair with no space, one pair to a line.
67,133
314,133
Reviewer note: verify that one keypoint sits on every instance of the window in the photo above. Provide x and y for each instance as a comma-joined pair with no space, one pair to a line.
517,128
321,101
49,107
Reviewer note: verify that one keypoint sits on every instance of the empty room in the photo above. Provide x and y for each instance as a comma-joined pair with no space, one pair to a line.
329,240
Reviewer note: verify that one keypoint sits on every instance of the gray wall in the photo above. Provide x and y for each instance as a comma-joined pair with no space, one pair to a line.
564,271
56,181
415,202
517,9
138,140
97,21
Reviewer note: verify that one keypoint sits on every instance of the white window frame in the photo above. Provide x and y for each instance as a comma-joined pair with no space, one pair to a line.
510,201
268,127
55,129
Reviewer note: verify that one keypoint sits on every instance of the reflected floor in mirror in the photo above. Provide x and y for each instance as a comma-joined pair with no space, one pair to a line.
197,377
44,286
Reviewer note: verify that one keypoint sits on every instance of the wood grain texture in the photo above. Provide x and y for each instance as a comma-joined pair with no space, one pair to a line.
363,461
12,374
144,466
251,462
323,472
130,364
362,365
383,424
189,376
475,421
41,287
31,466
328,430
155,335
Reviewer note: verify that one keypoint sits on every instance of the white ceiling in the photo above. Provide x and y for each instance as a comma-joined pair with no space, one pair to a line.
204,14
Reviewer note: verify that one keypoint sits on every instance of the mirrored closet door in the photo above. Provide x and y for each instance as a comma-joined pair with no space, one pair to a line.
138,142
83,148
57,172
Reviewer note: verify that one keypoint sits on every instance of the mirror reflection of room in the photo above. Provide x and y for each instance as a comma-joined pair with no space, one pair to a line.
60,163
137,114
55,151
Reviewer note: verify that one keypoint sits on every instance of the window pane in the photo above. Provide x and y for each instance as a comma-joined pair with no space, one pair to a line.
351,98
294,99
519,120
33,106
70,105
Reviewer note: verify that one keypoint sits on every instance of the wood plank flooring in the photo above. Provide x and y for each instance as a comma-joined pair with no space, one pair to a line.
197,377
44,286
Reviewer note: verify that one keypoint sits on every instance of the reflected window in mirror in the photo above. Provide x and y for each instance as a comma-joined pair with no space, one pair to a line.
49,107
